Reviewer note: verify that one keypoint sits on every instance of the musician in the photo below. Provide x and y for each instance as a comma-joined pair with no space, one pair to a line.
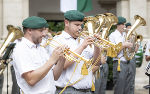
132,64
147,55
34,68
128,26
73,20
147,52
121,67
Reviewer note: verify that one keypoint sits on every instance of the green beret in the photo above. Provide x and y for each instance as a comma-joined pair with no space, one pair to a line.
47,25
74,15
128,24
34,22
121,20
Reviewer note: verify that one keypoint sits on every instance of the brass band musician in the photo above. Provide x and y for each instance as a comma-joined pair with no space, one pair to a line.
35,70
147,55
73,20
121,67
132,65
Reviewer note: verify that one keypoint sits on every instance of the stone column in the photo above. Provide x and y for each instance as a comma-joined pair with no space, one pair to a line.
123,9
139,7
14,11
148,18
1,18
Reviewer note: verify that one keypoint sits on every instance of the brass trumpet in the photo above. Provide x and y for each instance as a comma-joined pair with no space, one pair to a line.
67,52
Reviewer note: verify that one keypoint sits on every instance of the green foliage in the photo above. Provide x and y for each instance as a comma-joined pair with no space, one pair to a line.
56,26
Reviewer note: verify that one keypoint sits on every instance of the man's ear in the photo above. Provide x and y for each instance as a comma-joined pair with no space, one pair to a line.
29,30
66,22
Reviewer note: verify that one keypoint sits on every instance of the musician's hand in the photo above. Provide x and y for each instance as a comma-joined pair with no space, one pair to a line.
127,45
87,41
58,52
97,36
147,58
136,47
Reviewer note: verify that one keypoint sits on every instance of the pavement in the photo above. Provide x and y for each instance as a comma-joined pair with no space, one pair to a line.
137,91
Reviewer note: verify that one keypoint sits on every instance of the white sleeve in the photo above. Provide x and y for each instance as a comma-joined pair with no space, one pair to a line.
22,61
111,38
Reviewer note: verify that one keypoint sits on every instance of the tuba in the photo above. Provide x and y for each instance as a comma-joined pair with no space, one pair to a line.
131,37
13,34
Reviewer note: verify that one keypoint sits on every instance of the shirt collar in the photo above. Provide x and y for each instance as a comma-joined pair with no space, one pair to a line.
66,35
119,34
29,43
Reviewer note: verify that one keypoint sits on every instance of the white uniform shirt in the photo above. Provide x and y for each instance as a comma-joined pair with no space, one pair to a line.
73,44
27,57
147,52
16,41
116,37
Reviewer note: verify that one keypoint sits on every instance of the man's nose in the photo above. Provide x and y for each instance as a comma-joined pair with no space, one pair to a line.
43,34
80,28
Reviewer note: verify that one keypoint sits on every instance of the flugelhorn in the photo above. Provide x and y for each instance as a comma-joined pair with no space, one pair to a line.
13,34
129,53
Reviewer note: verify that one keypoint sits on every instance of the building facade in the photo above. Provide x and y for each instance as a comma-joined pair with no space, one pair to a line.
14,11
